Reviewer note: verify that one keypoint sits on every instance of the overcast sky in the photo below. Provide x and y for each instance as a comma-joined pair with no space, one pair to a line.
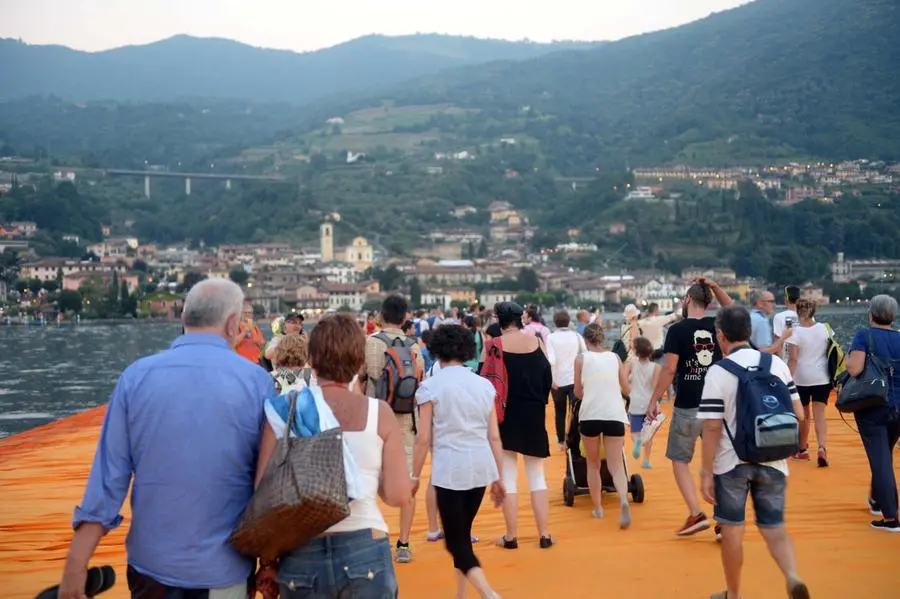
312,24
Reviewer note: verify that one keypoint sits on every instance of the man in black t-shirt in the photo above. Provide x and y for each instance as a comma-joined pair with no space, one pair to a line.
689,350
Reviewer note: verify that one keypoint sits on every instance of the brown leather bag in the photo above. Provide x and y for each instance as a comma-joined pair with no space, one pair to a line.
302,494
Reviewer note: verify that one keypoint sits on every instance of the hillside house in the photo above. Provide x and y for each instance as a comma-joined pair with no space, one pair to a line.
490,298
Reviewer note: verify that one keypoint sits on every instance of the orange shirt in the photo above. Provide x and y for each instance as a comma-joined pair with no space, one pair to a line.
250,342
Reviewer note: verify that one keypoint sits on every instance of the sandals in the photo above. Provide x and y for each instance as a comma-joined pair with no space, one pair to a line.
545,542
505,543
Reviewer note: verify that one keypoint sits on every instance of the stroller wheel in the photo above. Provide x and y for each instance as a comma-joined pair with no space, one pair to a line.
636,487
568,492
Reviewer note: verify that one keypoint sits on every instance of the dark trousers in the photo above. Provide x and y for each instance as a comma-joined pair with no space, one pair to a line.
563,399
879,429
145,587
458,510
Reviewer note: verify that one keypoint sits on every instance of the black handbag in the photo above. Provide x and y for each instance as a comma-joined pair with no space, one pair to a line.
869,389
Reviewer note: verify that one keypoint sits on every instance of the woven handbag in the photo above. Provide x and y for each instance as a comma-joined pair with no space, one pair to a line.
302,494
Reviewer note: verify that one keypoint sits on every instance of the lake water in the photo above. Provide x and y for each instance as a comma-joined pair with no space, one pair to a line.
52,372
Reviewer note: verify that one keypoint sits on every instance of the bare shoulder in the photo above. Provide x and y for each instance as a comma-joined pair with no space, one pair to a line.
387,420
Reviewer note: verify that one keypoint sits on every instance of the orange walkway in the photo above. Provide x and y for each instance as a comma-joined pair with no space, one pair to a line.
42,473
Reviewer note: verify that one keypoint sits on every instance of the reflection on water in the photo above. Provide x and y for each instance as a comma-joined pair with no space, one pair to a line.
48,373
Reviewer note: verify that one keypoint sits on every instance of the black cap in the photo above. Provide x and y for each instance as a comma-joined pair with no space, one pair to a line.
509,310
293,316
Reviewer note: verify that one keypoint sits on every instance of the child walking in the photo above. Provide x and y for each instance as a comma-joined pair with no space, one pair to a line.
643,374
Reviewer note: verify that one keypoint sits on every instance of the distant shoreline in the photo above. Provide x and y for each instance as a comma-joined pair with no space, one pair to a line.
85,322
613,316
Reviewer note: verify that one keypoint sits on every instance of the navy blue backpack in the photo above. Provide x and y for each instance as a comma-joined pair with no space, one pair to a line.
767,426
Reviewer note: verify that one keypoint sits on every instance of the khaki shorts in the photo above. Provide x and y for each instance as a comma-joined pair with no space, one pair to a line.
684,430
408,433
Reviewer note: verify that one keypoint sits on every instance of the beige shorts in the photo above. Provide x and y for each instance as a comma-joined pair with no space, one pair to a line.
408,437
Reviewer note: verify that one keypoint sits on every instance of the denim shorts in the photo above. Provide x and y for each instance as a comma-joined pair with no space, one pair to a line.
636,422
684,430
766,487
350,564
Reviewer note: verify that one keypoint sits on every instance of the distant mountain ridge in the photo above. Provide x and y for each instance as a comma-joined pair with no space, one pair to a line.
189,67
771,80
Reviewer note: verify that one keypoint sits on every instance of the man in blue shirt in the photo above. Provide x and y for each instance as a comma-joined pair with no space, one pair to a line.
185,424
761,337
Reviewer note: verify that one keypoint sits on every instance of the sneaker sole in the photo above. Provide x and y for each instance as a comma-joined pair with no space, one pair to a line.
403,560
823,463
692,530
894,530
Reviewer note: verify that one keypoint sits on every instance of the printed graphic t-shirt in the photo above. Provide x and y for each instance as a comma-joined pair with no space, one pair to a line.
693,340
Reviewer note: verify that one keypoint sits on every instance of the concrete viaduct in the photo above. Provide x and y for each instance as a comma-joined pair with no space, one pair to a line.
228,178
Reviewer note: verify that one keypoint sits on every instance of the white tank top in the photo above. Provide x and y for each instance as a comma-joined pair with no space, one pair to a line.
366,446
641,385
602,393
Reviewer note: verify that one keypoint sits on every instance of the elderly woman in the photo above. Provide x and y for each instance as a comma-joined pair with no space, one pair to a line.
879,427
291,356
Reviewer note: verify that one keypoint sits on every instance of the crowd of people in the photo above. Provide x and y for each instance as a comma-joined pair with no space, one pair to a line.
194,428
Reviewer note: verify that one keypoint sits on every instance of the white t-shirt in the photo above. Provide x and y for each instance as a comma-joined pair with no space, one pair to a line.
642,374
563,346
602,393
812,362
720,391
653,328
461,456
778,321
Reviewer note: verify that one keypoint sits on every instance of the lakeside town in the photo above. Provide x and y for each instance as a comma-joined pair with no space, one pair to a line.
454,266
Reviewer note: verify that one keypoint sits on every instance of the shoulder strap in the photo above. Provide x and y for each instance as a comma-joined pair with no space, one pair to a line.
732,367
765,362
372,417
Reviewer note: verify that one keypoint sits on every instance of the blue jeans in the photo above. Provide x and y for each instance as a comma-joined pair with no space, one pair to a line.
879,429
765,485
351,564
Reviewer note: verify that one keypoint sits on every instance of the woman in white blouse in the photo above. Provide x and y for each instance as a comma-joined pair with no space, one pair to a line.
458,424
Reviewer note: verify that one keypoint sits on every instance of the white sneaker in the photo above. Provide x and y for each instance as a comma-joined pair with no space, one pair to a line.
650,428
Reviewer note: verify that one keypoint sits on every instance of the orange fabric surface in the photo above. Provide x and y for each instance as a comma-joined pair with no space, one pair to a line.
43,471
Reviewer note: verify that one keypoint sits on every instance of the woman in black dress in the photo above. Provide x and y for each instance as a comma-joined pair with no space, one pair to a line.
523,430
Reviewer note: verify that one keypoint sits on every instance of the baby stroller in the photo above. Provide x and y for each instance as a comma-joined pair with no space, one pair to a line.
575,482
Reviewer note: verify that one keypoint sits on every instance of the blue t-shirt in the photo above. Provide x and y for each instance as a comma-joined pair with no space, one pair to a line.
426,356
887,347
761,329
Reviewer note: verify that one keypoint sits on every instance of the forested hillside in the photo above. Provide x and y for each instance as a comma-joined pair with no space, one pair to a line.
776,79
188,67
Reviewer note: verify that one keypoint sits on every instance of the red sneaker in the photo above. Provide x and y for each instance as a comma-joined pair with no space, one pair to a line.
693,525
